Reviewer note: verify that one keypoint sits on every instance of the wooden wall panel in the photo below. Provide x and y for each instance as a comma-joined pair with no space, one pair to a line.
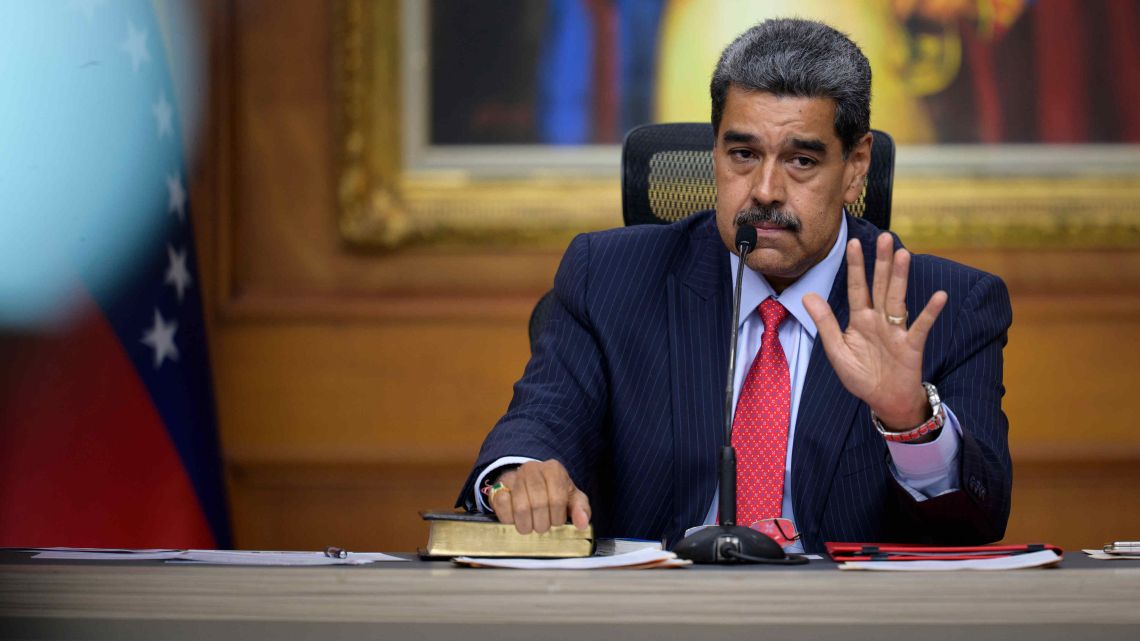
364,391
1074,503
1070,375
353,390
353,505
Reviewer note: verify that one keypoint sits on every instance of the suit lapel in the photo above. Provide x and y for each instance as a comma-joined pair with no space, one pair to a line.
827,411
698,302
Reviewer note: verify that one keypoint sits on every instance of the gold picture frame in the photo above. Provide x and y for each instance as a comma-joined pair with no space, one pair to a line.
386,203
395,191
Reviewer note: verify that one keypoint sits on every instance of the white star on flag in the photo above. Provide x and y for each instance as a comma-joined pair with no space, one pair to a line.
176,203
160,338
176,272
135,46
163,116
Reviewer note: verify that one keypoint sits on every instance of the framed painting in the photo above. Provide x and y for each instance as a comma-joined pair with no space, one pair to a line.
464,121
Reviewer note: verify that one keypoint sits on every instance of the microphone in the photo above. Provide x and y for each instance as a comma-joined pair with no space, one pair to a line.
745,242
729,543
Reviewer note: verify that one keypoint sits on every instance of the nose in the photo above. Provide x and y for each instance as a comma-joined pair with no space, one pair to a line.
768,183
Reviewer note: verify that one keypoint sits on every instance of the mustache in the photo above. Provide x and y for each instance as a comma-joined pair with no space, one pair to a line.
769,215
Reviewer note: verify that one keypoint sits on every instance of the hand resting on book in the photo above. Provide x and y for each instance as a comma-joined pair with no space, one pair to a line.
539,494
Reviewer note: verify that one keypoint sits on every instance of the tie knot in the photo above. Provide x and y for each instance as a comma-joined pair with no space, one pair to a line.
773,314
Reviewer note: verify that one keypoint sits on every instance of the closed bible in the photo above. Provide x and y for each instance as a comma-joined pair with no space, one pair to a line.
471,534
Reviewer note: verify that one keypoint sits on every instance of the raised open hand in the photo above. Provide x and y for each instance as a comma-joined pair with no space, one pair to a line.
877,358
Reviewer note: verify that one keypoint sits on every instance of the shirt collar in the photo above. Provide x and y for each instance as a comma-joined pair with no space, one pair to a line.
818,279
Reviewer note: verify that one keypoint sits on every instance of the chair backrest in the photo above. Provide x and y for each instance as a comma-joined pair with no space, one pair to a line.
667,174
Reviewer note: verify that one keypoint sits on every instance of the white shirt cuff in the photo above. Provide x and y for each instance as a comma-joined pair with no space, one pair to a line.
506,460
927,470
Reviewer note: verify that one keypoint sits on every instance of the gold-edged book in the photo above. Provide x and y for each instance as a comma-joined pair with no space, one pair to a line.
467,534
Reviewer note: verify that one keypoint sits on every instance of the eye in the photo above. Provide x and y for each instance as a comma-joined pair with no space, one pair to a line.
803,162
741,154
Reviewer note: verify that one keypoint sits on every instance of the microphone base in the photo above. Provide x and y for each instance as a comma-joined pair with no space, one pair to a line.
731,545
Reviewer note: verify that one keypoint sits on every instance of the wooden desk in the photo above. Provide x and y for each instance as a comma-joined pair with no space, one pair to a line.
51,600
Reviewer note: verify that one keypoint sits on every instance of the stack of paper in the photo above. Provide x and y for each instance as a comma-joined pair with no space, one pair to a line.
1042,559
256,557
642,559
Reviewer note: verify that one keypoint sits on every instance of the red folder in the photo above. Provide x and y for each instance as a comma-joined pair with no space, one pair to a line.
840,552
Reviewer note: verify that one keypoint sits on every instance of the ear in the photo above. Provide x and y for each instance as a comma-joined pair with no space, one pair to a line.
858,163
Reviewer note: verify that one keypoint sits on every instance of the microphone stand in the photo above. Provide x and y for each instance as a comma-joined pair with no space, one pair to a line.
729,543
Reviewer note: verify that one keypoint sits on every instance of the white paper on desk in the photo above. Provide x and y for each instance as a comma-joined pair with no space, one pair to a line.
629,559
106,554
213,557
1101,555
262,557
1044,558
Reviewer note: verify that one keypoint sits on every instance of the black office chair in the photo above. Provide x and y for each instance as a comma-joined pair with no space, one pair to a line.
667,174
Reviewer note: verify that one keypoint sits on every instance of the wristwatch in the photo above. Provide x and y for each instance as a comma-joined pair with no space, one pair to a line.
933,424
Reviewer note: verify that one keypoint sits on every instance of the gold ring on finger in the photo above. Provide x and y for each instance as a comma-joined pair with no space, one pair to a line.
897,320
497,487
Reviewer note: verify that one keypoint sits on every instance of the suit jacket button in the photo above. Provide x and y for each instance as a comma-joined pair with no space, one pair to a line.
976,488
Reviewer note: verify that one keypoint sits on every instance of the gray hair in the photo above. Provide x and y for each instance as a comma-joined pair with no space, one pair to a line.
793,57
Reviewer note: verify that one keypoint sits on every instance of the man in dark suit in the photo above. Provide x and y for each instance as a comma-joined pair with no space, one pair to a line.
862,413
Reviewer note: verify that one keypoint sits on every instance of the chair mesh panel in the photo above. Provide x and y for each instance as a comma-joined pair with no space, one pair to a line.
680,183
859,207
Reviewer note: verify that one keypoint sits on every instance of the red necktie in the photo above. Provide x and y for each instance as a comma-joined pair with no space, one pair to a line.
760,426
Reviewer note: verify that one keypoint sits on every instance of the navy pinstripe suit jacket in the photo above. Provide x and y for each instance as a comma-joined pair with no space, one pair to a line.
626,388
